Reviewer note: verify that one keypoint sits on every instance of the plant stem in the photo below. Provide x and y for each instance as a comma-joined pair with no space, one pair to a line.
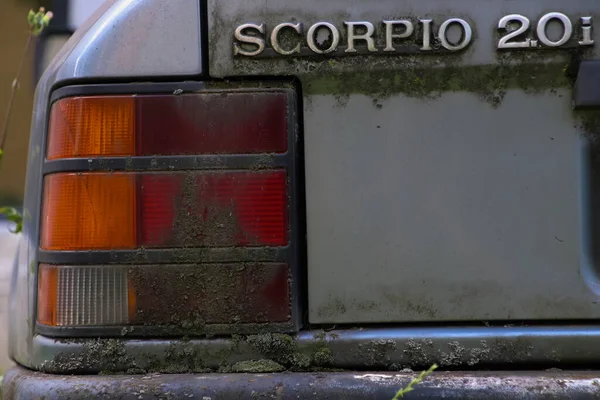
13,92
414,382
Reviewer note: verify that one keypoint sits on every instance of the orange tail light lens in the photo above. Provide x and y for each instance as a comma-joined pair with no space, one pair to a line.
47,295
92,126
89,211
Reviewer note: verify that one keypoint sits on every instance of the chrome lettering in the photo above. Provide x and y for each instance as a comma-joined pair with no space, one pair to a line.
426,24
466,37
409,28
422,35
586,27
367,36
334,36
242,38
567,29
275,40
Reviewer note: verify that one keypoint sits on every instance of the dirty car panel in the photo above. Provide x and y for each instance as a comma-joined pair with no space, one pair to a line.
463,190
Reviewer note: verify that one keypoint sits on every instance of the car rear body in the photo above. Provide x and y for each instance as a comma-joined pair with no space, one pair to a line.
423,193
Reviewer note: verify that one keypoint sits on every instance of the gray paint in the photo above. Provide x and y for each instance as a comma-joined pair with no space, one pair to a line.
429,210
141,39
137,38
472,215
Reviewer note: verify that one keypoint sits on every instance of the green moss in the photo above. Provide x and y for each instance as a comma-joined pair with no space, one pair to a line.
284,350
101,354
423,76
257,366
490,83
375,352
182,358
322,356
280,348
589,124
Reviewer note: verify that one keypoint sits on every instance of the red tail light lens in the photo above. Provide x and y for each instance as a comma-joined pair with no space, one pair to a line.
214,209
212,123
213,294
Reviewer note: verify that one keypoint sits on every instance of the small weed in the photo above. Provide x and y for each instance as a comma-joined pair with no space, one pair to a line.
37,22
12,215
414,382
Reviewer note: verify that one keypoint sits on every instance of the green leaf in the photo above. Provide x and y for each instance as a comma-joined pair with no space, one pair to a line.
13,216
39,21
30,17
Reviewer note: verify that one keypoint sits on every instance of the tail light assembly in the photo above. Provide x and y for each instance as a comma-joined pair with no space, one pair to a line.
170,209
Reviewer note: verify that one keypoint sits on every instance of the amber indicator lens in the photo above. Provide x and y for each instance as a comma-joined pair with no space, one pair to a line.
89,211
218,122
95,211
92,126
47,295
186,296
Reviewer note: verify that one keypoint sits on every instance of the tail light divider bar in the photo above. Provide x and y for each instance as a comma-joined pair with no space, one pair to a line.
126,88
168,256
169,163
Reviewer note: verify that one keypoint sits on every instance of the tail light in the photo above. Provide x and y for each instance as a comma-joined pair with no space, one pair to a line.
221,178
163,294
149,125
127,210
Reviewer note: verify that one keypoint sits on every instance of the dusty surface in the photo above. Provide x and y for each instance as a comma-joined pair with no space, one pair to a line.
284,386
8,247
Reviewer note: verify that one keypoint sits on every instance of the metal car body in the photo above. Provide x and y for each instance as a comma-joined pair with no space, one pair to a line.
439,204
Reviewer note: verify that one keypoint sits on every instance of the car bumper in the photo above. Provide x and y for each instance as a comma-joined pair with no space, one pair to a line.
24,384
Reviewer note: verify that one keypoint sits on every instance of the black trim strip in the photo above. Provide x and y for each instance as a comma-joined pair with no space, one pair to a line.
168,256
204,35
163,331
127,88
169,163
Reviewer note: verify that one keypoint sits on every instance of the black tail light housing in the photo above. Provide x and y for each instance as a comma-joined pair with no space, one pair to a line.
170,209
